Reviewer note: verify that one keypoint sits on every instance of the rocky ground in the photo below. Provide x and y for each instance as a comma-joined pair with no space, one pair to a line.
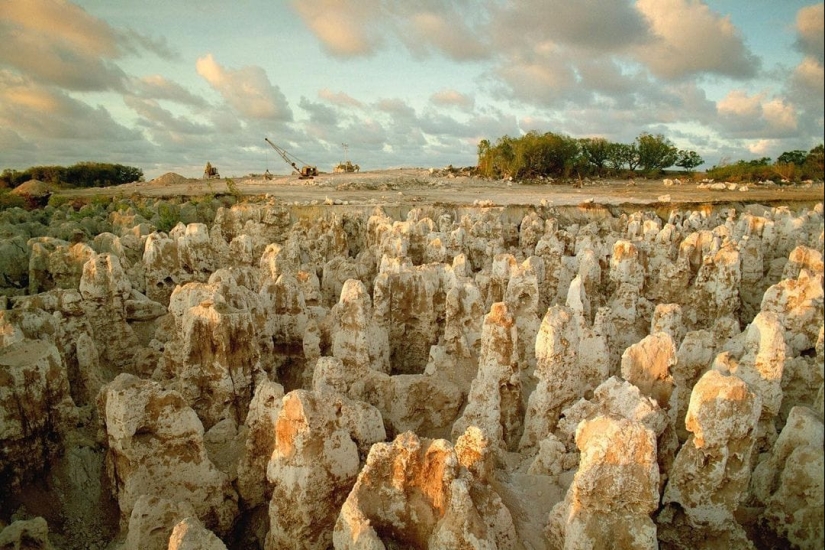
413,359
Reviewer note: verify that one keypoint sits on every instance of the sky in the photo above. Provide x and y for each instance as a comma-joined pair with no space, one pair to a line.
167,86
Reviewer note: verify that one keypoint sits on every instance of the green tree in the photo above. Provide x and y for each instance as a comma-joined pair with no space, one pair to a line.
596,151
623,154
688,160
814,166
655,152
796,157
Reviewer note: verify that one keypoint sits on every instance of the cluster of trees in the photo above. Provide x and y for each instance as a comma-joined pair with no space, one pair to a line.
794,165
82,174
554,155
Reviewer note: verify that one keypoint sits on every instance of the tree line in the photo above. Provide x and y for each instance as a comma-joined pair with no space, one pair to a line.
556,155
539,155
82,174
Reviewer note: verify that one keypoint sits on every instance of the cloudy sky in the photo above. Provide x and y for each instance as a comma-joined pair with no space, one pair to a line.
166,86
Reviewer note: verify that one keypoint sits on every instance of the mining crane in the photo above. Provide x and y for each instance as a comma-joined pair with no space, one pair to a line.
306,172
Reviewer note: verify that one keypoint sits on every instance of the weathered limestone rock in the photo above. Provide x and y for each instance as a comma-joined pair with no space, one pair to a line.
494,403
798,305
464,315
803,257
614,491
628,308
789,482
565,371
190,534
802,377
407,302
761,366
155,447
54,263
285,320
357,340
694,358
260,443
14,265
615,398
716,287
425,403
414,493
32,534
106,292
711,473
648,366
161,267
321,437
668,318
36,408
522,298
152,521
216,361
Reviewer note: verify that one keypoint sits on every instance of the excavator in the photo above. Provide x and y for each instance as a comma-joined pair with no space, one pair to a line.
210,172
305,172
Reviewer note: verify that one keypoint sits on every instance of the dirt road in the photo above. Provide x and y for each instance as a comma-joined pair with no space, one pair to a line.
419,186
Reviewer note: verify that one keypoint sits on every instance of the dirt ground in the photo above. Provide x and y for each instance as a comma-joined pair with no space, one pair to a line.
420,186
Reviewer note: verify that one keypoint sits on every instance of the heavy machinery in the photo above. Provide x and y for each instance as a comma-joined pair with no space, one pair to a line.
210,172
346,166
305,172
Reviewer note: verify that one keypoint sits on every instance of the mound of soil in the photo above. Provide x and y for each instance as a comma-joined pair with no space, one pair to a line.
169,178
34,188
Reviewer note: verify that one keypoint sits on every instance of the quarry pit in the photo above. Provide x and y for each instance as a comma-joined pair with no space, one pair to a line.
413,358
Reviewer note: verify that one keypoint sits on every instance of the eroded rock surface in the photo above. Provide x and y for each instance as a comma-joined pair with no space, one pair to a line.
271,376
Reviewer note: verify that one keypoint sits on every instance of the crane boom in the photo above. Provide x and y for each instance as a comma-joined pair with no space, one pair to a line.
305,172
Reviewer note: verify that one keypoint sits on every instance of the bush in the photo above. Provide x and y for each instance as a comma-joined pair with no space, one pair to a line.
82,174
10,200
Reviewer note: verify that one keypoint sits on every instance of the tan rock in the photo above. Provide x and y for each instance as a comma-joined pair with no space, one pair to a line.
795,510
36,409
152,520
415,493
648,365
320,438
357,339
711,473
260,443
564,369
155,447
614,491
32,534
216,361
54,263
190,534
798,305
668,318
494,403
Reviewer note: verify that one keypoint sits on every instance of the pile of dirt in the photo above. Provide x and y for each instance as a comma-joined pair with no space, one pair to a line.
34,188
169,178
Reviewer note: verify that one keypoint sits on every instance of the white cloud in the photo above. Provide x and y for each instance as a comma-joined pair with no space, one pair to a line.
159,87
691,39
810,26
247,90
755,116
339,98
452,98
345,28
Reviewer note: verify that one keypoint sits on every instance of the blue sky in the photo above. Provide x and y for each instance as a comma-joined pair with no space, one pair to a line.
166,86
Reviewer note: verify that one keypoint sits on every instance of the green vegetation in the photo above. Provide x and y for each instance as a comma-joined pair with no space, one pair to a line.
791,166
536,156
82,174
